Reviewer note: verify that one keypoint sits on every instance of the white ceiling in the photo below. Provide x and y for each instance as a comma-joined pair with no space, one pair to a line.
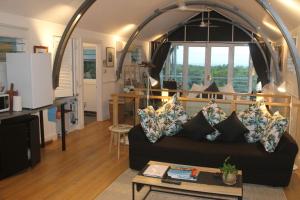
120,17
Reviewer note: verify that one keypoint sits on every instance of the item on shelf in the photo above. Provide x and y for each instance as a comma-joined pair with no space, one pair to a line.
4,102
156,171
11,92
2,88
17,103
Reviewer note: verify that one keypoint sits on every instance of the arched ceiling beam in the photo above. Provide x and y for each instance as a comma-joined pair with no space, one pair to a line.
254,26
240,27
287,36
65,38
210,4
179,25
88,3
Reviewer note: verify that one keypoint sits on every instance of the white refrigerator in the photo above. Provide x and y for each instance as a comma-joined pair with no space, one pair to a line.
31,74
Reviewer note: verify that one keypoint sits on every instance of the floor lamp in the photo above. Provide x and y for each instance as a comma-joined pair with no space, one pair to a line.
150,81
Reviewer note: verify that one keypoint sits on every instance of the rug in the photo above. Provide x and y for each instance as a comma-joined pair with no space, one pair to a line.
120,189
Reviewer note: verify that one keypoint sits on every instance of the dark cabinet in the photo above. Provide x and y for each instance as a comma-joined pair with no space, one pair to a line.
19,144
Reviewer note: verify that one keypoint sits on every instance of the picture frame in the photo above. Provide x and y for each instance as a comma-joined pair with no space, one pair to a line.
110,57
40,49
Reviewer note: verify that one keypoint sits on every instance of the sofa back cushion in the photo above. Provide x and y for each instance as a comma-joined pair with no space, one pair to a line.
212,88
214,115
150,123
273,132
255,121
171,116
198,127
231,129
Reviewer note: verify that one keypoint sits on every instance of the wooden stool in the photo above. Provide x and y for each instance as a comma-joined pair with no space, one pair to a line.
119,130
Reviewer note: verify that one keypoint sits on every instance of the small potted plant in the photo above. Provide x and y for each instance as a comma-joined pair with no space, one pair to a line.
229,172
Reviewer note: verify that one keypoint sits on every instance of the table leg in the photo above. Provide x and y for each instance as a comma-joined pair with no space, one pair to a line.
42,128
111,140
133,196
119,145
63,130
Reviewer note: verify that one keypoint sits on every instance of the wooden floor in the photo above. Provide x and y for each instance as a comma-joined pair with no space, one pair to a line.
83,171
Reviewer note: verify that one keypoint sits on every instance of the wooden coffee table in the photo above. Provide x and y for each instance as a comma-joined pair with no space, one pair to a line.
208,184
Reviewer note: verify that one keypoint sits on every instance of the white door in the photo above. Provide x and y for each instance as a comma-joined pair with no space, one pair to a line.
92,76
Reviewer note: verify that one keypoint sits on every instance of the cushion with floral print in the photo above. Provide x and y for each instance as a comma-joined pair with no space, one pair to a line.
274,130
150,124
214,115
171,116
255,121
263,107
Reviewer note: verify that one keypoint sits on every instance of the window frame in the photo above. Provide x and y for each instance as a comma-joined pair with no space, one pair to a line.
208,47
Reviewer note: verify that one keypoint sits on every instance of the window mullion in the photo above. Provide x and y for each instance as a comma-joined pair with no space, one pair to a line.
207,64
250,80
230,64
185,67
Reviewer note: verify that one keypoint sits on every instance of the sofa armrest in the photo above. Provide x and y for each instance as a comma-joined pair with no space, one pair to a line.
137,135
288,145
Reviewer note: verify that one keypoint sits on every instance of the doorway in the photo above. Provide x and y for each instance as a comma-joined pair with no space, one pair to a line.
89,83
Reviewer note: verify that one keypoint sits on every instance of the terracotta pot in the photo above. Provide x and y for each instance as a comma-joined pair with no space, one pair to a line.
230,179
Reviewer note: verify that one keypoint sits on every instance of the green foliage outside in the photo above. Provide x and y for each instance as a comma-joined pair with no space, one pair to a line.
219,73
89,69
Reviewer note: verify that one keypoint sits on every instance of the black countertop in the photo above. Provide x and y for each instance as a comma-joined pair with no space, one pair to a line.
25,111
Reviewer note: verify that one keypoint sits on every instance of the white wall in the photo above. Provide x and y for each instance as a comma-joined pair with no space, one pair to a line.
289,76
38,32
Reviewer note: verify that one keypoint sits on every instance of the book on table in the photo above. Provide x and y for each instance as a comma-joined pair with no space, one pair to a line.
156,171
183,173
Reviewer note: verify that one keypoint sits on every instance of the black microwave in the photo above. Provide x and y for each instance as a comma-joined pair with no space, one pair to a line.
4,102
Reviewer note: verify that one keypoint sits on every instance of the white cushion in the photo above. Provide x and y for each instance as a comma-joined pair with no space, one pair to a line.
229,89
196,87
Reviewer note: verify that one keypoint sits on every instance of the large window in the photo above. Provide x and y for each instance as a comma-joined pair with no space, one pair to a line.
202,63
173,69
196,65
241,69
219,65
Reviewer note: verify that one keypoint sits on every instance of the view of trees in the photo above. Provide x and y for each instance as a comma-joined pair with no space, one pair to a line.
196,75
90,69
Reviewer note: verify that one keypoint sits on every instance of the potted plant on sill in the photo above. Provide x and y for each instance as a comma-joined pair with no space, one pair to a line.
229,172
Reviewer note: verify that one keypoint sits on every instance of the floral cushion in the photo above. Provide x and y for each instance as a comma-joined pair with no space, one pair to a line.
273,132
214,115
255,121
262,106
150,124
171,116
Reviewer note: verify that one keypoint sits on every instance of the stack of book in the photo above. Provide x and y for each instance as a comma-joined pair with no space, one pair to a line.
183,173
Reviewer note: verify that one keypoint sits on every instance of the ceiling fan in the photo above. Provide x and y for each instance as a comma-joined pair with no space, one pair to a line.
203,23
